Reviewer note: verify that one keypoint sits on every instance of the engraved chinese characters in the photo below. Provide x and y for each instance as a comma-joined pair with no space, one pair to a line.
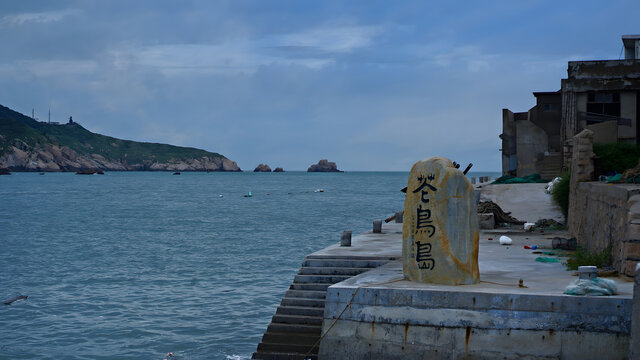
440,229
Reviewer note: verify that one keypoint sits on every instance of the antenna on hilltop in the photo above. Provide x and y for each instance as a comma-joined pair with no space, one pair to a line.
49,116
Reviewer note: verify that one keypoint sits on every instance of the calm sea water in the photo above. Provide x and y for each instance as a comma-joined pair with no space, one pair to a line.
135,265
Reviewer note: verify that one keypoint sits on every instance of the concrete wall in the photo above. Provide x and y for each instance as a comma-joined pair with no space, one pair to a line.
603,215
549,120
531,144
581,106
605,132
508,136
388,323
628,111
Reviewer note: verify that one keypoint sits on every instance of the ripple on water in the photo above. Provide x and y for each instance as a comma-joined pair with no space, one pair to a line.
137,265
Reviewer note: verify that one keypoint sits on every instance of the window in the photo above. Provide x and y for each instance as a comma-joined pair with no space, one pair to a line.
605,103
549,107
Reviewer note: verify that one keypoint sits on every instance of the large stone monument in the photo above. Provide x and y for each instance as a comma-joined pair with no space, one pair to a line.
440,230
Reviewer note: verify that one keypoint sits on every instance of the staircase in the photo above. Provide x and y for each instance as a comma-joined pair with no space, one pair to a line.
295,329
551,166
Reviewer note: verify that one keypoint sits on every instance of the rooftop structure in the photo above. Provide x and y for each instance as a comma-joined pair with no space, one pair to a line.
601,95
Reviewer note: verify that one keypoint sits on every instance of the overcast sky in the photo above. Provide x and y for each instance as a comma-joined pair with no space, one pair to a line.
372,85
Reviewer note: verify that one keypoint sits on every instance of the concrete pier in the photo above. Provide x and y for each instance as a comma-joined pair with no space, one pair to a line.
379,315
353,303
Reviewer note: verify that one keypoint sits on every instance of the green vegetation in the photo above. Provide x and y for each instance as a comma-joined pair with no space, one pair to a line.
15,126
560,192
582,257
616,157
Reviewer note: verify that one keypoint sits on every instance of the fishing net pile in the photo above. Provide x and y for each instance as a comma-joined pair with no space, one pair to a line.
485,207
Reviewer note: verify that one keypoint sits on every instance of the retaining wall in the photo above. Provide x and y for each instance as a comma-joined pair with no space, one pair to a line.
604,215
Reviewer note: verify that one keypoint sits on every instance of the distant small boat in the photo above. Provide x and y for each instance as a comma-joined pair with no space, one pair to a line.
85,172
100,172
176,173
318,190
249,194
41,173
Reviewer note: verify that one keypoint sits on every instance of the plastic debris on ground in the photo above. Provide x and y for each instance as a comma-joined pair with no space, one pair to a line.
549,188
549,224
533,247
564,243
505,240
614,178
546,259
595,287
529,226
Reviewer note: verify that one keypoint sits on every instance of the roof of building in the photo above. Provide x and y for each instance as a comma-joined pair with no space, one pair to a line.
629,40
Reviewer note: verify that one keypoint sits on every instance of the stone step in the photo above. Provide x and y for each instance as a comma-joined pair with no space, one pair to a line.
293,301
282,356
311,287
306,293
297,319
289,338
287,348
320,279
300,310
331,271
345,263
295,328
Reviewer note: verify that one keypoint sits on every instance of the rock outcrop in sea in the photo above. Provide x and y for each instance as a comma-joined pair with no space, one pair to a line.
324,165
278,169
262,168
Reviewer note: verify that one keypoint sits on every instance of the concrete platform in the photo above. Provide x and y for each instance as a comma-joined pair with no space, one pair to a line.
526,202
379,315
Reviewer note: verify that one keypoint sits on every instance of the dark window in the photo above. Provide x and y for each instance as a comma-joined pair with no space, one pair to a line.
605,103
550,107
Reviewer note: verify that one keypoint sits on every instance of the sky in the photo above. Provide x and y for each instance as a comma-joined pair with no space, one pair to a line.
372,85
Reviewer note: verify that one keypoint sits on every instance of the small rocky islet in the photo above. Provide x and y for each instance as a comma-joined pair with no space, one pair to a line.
324,165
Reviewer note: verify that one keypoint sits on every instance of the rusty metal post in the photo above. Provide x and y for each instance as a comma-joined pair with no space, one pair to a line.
377,226
345,240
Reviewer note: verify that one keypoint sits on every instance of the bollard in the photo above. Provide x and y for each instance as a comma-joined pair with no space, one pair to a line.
634,348
377,226
399,216
345,240
587,272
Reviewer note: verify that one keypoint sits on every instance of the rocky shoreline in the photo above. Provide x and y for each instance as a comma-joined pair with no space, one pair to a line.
54,158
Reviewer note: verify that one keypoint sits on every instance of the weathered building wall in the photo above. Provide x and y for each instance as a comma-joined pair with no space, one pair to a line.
531,144
605,132
628,111
508,136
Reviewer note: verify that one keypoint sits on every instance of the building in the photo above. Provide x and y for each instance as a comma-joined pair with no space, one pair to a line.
601,95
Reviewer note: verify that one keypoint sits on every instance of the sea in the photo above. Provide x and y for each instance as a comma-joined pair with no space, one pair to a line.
137,265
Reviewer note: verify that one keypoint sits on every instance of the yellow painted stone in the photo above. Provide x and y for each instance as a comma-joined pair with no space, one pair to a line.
440,228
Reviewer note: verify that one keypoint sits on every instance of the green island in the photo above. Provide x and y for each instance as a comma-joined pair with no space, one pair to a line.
30,145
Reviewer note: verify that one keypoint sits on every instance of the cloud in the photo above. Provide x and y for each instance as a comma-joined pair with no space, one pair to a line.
313,49
329,38
50,67
38,17
228,58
